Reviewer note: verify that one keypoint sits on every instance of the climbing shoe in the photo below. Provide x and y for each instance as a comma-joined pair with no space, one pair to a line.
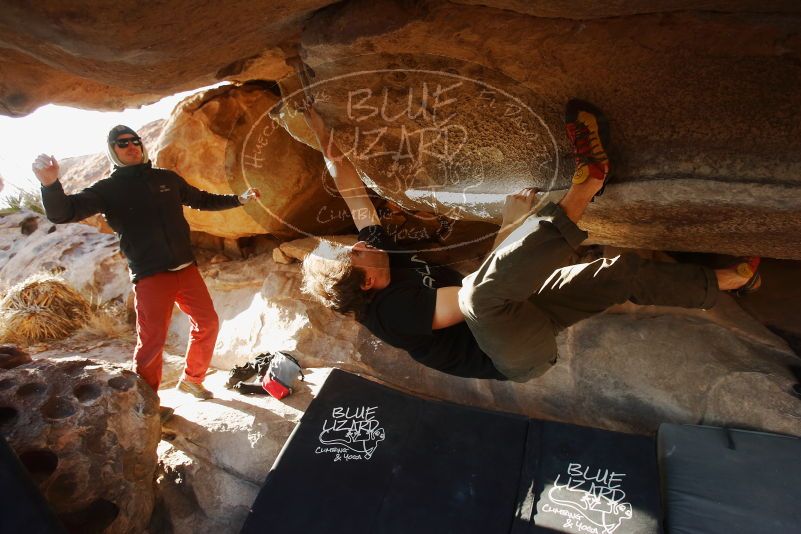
588,132
748,268
195,389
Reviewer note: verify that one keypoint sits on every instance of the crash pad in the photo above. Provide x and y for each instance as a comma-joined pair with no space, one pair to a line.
366,458
729,481
22,506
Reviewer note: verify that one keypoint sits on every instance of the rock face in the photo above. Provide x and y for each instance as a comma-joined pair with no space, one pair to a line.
93,56
701,95
12,356
87,433
682,90
89,260
627,371
223,141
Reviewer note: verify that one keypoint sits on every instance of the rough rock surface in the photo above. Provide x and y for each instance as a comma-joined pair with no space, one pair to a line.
776,304
216,454
12,356
591,9
91,55
223,141
701,95
87,432
89,260
627,371
701,107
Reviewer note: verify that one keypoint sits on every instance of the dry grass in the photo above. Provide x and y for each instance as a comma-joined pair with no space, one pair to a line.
107,320
43,307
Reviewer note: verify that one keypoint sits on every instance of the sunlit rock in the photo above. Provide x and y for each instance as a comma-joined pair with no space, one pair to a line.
224,141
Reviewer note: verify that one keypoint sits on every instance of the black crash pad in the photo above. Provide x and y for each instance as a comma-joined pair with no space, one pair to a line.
366,458
719,480
22,507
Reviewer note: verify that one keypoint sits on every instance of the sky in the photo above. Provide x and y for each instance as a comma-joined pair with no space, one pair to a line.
63,132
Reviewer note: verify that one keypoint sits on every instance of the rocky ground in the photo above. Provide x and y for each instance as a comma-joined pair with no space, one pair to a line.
628,369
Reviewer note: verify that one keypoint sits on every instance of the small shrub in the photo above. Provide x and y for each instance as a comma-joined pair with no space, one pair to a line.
22,200
42,307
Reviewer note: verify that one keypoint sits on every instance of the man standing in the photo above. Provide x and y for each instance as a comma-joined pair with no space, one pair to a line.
144,207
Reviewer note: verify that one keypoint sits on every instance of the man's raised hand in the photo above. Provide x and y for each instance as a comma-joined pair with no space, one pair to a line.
46,169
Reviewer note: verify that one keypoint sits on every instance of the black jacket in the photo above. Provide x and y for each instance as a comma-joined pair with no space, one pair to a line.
143,206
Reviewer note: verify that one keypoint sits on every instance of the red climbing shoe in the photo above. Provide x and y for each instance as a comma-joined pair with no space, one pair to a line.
588,131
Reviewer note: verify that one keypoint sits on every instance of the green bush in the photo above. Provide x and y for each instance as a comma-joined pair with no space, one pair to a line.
22,200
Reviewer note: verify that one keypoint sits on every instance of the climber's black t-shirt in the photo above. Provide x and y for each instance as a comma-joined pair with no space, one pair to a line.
401,314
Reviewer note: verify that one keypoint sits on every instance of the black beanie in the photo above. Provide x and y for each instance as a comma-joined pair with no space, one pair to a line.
117,131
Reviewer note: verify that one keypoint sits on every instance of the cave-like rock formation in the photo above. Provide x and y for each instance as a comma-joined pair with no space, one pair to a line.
98,56
703,108
702,97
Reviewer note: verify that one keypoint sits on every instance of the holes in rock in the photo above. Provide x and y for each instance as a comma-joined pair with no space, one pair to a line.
32,389
62,488
29,225
58,408
53,267
7,415
122,383
92,519
40,463
75,368
87,392
7,383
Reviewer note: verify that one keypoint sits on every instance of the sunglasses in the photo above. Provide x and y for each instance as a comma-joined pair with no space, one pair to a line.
123,143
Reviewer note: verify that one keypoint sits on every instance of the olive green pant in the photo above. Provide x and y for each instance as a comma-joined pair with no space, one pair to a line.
523,295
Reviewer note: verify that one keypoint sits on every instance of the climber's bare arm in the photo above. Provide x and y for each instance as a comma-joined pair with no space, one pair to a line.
345,176
446,310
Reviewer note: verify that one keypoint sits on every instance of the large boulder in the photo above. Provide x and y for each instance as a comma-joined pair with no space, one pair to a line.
110,57
701,95
444,112
86,258
630,370
223,141
90,55
87,433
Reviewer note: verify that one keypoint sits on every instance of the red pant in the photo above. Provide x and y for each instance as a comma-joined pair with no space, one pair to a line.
155,296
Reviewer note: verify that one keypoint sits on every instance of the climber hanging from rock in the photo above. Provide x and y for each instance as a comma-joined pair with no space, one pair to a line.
501,321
